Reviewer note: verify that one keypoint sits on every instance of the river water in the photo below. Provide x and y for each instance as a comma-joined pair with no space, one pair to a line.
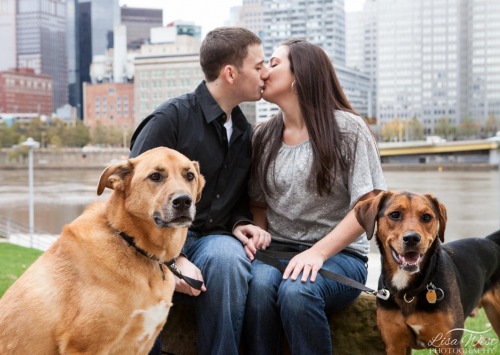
472,198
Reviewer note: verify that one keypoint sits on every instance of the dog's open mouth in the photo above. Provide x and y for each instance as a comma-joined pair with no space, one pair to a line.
410,261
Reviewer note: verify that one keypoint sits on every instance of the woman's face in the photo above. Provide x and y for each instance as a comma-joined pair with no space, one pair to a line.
279,84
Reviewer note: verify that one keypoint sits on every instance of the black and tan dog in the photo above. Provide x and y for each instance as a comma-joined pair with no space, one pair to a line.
434,287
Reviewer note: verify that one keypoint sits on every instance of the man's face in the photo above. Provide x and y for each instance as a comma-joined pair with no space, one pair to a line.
249,79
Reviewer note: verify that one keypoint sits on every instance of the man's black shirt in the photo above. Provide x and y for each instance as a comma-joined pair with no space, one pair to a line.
193,125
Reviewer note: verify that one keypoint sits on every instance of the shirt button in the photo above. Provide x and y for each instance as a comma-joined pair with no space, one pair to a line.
217,196
210,220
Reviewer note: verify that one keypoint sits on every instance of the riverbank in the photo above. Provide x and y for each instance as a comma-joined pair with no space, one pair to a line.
99,158
84,165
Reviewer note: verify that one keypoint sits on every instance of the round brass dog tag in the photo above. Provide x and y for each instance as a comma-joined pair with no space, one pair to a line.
431,296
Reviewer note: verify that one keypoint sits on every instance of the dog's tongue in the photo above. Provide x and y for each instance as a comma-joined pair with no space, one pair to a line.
410,258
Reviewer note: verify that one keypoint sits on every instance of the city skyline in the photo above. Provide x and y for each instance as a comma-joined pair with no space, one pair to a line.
196,10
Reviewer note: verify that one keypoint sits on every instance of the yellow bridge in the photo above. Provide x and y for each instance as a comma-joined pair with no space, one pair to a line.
477,151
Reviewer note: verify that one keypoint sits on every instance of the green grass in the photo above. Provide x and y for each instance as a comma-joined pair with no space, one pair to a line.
486,342
14,260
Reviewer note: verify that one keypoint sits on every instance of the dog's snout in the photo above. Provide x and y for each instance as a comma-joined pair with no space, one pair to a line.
182,202
411,239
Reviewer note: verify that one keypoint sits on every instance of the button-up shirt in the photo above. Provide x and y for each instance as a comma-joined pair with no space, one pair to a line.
193,124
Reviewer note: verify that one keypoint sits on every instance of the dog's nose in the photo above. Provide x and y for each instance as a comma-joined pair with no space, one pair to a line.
182,202
411,239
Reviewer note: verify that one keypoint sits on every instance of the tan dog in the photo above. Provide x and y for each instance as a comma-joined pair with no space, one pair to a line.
93,292
433,286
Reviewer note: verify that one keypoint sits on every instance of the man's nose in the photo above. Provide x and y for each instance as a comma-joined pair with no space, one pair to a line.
264,75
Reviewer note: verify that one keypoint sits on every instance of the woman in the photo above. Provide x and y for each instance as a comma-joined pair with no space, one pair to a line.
312,163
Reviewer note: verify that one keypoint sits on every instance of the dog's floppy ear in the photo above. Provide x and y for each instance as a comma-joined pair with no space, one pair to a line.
442,215
366,212
201,181
113,177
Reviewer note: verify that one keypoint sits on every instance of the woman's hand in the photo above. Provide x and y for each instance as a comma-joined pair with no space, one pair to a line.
309,262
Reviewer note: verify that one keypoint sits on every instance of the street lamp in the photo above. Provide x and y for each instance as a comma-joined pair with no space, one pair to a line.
31,143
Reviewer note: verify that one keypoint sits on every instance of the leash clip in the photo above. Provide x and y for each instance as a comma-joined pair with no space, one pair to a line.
383,294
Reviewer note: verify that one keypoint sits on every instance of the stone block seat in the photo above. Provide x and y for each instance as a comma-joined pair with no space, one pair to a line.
354,330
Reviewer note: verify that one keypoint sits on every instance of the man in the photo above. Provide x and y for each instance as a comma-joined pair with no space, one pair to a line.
209,127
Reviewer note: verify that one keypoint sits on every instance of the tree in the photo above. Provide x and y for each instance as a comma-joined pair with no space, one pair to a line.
468,128
444,128
99,135
8,135
76,135
391,131
492,126
414,129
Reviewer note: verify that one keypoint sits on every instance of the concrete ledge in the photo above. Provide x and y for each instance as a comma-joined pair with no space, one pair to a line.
354,330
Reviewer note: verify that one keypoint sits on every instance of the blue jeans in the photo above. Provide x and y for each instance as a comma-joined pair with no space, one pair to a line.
226,271
296,309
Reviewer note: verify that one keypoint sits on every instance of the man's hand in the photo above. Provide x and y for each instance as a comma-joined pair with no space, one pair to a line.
190,270
252,238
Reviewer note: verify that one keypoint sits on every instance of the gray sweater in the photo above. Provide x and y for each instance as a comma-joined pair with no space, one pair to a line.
296,213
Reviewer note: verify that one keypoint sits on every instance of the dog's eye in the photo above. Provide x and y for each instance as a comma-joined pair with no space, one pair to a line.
426,217
190,176
395,215
155,176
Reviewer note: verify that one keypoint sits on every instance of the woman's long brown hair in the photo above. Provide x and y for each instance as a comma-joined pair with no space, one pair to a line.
320,94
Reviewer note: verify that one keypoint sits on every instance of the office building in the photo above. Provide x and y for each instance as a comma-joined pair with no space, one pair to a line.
73,52
164,70
8,59
41,42
110,104
139,22
97,20
23,91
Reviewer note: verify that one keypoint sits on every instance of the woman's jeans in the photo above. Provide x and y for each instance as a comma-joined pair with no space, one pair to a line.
296,309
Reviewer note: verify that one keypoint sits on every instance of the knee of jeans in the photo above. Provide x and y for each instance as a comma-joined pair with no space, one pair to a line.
295,296
227,257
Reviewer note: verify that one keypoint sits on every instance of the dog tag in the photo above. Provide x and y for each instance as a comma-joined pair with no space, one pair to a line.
431,296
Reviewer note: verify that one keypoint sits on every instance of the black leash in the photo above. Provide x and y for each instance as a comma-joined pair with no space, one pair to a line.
196,284
271,258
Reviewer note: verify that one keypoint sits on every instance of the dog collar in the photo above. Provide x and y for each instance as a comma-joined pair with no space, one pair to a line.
196,284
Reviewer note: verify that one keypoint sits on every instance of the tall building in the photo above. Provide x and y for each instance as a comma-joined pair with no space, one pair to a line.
483,74
138,22
73,48
164,70
8,58
96,22
438,59
41,42
361,47
320,22
24,91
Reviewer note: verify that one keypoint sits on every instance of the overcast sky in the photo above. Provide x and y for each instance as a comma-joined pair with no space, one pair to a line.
206,13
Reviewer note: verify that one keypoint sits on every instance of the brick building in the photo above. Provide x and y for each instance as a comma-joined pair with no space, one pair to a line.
23,91
111,104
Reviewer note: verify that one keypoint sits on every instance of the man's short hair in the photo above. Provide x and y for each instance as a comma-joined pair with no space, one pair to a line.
225,46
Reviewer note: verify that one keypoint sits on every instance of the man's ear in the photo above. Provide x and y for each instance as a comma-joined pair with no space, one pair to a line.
366,212
229,73
113,177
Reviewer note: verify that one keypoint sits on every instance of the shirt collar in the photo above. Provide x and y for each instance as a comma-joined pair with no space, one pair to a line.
211,108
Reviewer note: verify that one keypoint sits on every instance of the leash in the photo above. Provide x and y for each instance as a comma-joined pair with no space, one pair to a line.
196,284
271,258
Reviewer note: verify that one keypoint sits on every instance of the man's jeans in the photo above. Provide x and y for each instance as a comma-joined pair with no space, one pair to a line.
299,309
219,310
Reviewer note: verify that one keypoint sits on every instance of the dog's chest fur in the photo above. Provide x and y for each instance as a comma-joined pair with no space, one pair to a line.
152,319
